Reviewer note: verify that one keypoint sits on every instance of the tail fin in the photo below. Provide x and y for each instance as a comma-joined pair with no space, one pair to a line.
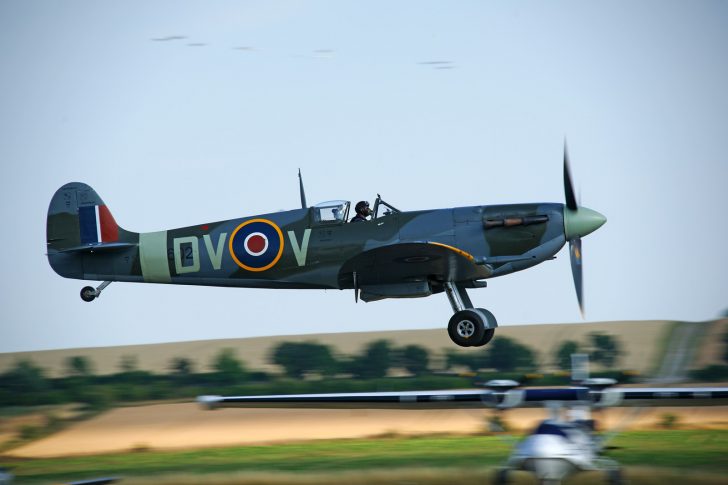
78,220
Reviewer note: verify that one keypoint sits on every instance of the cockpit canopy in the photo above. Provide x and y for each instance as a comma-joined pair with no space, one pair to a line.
331,212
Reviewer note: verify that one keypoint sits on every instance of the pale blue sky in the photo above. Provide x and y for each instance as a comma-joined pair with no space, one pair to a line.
172,135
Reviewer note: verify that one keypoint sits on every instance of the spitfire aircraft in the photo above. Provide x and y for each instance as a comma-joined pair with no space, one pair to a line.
395,254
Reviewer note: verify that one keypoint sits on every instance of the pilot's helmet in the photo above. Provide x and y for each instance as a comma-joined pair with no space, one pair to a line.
362,208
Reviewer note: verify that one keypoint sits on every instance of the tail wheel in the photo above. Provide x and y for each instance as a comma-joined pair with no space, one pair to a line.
466,328
88,293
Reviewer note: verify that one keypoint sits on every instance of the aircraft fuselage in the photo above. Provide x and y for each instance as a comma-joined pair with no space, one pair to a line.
291,249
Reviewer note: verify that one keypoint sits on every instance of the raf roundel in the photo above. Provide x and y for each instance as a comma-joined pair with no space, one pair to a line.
256,245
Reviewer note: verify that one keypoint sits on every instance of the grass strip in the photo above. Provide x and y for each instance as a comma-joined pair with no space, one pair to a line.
704,450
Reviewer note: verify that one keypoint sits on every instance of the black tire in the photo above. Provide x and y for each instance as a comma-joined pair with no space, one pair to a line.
487,337
466,328
489,332
501,477
614,477
88,294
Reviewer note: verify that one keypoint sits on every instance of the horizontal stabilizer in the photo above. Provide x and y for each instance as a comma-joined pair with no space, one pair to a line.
100,247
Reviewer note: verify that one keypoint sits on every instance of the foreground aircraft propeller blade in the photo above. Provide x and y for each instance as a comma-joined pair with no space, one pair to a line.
575,252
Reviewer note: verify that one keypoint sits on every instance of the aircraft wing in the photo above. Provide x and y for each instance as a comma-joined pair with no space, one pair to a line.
479,398
669,396
615,396
415,261
476,398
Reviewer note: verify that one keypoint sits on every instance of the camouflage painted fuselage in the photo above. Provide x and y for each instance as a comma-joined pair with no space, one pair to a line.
403,254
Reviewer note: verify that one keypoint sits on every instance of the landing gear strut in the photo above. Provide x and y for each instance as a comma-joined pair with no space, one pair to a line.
468,327
89,293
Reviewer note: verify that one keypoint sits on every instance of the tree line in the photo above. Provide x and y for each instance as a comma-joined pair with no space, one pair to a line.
26,383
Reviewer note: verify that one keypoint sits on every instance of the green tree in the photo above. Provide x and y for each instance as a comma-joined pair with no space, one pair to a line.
25,385
182,366
228,368
725,347
128,363
24,377
505,355
130,375
301,358
563,354
605,349
502,354
373,362
472,361
414,358
79,366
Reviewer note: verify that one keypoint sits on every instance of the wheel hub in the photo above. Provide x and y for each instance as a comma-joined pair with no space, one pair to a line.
465,328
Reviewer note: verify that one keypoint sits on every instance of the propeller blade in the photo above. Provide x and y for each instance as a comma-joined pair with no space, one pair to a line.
576,271
568,184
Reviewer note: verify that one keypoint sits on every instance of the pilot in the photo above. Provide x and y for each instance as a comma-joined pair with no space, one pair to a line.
362,211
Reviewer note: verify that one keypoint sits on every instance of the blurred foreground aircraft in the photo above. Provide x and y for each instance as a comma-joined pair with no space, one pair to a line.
394,255
564,444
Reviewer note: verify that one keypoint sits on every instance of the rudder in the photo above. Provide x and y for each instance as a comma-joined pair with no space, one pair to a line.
78,219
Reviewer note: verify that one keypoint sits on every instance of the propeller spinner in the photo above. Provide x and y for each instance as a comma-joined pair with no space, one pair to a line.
578,222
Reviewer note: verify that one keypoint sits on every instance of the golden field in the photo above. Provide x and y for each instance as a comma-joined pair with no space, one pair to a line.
188,426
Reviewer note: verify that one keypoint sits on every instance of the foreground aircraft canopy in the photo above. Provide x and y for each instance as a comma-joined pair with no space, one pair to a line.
394,255
564,444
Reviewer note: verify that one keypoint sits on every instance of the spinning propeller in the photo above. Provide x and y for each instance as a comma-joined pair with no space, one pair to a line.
578,221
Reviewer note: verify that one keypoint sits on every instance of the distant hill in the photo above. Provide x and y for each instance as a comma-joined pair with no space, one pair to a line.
644,343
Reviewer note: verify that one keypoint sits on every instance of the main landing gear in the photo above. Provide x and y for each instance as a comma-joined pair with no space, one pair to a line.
468,327
89,293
